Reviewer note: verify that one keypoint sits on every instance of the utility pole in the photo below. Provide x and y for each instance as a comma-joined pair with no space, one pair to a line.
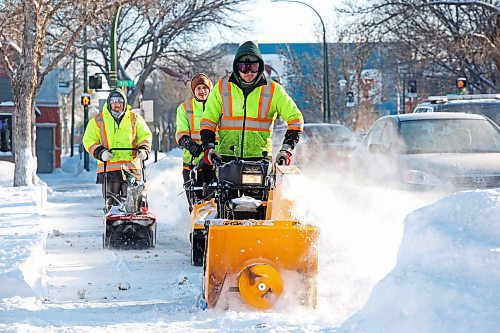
86,165
72,139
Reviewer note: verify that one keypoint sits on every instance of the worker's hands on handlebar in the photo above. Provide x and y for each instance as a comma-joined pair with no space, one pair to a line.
106,155
194,148
284,157
143,154
210,156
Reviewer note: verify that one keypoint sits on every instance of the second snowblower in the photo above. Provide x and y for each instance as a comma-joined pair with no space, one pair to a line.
128,224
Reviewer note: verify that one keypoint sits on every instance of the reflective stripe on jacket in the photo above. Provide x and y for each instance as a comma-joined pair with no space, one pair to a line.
103,130
247,123
188,120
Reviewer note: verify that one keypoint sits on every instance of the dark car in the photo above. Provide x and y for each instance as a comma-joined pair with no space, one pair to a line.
439,151
487,105
321,144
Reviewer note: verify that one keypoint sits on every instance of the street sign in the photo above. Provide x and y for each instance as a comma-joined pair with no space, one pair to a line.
126,83
147,107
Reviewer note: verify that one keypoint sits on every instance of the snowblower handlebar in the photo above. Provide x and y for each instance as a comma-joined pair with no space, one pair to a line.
143,165
129,149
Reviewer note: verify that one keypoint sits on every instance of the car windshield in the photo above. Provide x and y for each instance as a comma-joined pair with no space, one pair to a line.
330,134
490,110
449,136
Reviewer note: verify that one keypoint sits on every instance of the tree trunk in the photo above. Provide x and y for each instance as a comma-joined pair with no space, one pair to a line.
25,87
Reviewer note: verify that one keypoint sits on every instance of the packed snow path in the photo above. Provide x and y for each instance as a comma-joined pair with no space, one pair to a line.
55,275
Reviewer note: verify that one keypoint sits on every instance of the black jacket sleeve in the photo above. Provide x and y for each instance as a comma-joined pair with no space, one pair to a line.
98,151
207,138
291,138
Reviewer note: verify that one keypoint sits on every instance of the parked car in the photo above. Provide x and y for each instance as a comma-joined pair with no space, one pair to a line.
487,105
321,143
439,151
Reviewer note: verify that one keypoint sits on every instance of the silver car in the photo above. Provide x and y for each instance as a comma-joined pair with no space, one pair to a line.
439,151
487,105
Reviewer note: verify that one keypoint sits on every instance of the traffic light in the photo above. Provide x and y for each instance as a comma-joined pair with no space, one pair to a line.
85,99
95,82
412,88
461,83
349,99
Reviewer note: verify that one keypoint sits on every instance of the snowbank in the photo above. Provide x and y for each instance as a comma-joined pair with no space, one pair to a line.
447,278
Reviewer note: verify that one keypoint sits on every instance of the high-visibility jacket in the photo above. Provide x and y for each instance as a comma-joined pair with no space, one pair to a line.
188,120
247,123
103,130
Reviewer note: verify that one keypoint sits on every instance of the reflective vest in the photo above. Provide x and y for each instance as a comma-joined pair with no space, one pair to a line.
188,120
103,130
246,123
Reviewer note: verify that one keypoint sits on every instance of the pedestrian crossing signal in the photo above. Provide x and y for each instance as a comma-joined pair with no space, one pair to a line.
461,83
85,100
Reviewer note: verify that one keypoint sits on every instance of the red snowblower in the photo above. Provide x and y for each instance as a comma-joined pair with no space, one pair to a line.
128,224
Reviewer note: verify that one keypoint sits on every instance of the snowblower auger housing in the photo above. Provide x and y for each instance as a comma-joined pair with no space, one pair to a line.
128,224
254,250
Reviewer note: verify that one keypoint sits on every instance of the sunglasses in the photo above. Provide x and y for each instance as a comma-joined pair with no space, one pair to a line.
246,67
116,100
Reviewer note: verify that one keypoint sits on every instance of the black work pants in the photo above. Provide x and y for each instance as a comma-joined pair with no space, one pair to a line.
119,188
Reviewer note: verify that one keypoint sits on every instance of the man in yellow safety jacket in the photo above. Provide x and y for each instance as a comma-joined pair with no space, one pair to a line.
117,127
244,107
189,114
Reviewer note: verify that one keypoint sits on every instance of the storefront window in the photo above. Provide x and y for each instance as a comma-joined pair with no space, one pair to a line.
5,134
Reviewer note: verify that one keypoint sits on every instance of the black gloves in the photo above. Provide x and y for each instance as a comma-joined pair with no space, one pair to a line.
187,143
194,148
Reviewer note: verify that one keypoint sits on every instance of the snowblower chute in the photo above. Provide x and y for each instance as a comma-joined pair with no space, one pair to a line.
254,250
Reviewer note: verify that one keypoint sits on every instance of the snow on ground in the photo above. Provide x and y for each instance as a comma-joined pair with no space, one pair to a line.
389,261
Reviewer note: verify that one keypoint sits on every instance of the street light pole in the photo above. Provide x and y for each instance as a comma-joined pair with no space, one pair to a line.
86,159
342,82
113,55
327,111
73,107
403,70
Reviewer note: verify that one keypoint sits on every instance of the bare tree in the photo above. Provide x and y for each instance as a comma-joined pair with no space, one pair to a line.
26,27
162,34
456,38
305,75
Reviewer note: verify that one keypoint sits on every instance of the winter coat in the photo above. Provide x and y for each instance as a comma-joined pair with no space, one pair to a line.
188,119
245,114
104,132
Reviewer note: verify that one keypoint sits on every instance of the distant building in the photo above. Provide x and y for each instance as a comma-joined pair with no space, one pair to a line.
48,123
377,86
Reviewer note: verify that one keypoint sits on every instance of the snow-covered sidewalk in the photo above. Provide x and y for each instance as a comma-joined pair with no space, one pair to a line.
20,235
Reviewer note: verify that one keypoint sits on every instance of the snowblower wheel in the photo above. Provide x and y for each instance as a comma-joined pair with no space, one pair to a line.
260,285
198,240
106,238
152,235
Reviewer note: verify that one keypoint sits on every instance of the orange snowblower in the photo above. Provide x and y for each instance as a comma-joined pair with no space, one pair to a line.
253,251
